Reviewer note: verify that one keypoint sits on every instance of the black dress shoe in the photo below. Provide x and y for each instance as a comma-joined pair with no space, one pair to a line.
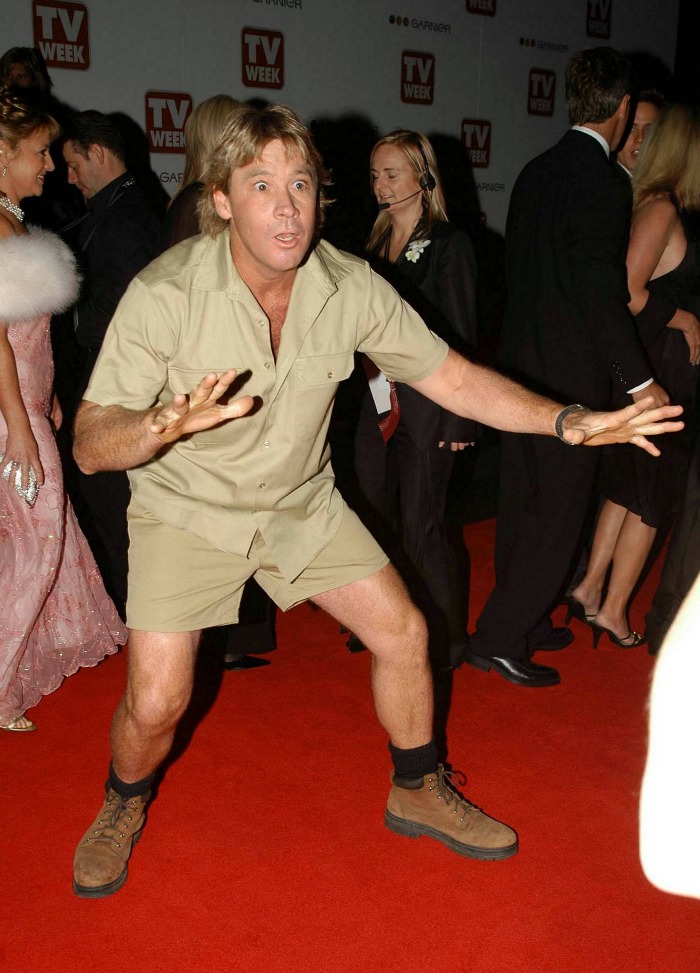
245,662
557,638
520,671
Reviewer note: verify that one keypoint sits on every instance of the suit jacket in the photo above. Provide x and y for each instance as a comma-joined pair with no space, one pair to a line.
118,237
568,332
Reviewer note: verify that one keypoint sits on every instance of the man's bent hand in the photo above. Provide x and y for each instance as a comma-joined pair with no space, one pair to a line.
200,409
629,425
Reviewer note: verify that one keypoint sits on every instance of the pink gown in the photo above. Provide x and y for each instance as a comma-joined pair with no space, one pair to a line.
55,615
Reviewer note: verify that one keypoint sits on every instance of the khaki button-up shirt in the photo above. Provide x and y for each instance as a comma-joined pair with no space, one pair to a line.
189,313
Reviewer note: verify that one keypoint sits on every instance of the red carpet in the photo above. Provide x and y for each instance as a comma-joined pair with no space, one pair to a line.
266,848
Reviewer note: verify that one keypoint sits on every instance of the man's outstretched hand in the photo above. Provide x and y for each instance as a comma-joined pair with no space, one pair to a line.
200,409
629,425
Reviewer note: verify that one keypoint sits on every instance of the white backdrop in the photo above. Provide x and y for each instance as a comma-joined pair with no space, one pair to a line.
489,72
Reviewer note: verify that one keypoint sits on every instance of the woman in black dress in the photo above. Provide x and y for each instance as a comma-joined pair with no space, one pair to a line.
410,449
663,269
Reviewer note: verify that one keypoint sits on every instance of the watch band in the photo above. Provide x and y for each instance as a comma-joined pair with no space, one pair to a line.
559,421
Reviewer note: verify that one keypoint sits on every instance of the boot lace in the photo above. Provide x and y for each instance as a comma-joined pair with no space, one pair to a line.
444,782
113,823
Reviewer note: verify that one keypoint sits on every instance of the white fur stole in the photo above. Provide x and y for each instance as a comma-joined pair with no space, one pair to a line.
38,275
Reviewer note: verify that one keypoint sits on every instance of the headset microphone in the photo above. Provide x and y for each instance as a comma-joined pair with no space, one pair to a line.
427,180
383,206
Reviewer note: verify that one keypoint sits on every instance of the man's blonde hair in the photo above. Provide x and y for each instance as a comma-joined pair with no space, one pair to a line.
243,139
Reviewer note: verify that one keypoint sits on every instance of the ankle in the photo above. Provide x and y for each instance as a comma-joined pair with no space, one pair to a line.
586,595
613,620
413,764
126,789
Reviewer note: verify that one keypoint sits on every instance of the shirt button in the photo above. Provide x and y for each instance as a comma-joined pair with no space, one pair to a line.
268,365
262,323
262,486
266,444
330,374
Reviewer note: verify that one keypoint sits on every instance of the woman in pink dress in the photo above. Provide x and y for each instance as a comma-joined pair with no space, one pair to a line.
55,615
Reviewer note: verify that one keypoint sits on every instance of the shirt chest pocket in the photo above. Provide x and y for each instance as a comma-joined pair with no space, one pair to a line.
182,381
316,381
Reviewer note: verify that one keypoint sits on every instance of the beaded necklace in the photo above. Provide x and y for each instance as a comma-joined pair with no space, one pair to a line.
11,207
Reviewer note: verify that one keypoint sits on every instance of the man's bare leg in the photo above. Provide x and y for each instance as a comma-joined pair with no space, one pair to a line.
379,611
159,686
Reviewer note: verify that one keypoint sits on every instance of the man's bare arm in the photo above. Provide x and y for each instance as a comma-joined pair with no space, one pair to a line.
115,438
480,393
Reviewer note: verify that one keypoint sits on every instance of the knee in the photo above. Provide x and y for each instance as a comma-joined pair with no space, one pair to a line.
416,628
154,708
405,629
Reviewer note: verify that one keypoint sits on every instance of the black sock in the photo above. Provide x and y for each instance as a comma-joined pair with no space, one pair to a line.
416,762
127,791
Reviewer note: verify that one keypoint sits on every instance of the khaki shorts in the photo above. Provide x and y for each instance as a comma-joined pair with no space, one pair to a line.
180,583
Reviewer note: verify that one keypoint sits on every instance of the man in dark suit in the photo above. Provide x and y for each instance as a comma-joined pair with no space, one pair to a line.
567,333
117,237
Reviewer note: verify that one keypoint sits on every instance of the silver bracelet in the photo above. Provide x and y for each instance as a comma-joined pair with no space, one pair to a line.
559,421
12,472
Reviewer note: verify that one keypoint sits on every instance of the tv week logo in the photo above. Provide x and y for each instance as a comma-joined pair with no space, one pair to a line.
166,114
417,78
61,34
487,8
262,58
476,135
540,92
598,18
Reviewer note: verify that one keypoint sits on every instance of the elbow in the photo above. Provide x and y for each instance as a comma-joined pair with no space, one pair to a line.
82,455
83,460
637,301
83,436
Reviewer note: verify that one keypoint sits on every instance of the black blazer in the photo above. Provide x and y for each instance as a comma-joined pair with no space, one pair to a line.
441,286
568,332
118,237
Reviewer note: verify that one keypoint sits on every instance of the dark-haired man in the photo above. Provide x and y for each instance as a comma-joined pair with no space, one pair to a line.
116,238
217,501
649,104
567,333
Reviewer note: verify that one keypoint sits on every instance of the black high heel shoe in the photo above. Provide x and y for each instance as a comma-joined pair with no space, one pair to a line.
624,642
574,609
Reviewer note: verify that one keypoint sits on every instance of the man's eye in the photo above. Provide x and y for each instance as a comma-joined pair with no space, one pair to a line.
299,184
260,186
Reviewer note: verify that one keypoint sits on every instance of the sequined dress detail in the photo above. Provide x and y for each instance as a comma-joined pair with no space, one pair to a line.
55,614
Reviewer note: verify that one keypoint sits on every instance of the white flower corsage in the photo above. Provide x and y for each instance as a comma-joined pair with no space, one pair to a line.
415,249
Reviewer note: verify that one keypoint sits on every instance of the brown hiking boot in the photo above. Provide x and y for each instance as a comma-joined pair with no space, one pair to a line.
100,863
432,806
